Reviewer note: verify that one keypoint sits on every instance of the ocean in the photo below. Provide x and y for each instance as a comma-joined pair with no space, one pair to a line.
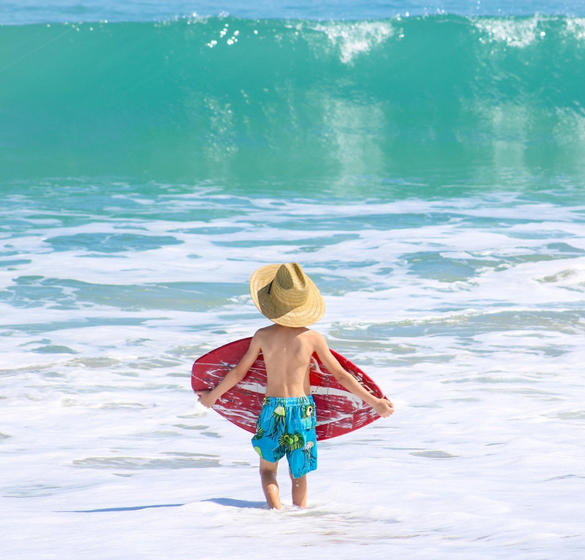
423,161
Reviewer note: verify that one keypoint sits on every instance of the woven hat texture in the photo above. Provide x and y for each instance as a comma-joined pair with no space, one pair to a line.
286,295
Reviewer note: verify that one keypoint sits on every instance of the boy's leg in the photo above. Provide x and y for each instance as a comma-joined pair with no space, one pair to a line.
270,484
299,490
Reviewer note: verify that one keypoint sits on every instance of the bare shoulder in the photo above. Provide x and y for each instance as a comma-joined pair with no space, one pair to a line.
260,332
264,333
316,339
263,336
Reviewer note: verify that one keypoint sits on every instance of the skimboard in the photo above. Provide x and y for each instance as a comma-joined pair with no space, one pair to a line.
338,410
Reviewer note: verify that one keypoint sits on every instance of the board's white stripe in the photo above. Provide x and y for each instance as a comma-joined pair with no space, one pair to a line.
315,390
227,366
253,387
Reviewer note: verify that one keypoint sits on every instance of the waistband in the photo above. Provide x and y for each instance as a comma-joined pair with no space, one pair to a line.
288,401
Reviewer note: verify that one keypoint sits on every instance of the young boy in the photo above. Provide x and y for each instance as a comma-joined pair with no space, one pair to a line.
286,425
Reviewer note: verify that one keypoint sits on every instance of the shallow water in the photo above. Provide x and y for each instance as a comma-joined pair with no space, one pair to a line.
468,311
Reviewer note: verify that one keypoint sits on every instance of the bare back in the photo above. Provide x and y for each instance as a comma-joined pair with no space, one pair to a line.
287,354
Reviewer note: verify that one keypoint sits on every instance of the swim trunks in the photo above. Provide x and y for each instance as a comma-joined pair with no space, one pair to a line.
286,426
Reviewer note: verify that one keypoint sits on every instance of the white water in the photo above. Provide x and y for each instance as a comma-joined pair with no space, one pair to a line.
468,312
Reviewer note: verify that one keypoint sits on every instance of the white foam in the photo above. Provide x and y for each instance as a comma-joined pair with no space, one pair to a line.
576,27
481,351
517,33
356,38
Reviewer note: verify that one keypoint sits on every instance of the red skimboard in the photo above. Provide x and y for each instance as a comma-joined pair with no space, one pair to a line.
338,410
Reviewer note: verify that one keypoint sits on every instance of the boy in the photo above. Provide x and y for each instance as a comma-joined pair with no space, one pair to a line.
286,425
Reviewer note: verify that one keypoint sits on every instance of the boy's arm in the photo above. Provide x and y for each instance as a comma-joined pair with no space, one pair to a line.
382,406
234,376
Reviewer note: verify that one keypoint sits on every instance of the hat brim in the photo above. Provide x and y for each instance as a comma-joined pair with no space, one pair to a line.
301,316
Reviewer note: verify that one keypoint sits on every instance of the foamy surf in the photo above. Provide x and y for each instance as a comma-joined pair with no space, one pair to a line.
466,310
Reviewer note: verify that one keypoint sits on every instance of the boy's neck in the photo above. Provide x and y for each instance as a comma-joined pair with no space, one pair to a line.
276,326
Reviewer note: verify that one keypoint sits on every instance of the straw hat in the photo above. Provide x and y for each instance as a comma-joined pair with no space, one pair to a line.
286,295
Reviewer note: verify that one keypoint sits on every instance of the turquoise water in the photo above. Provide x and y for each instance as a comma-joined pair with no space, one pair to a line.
394,105
427,171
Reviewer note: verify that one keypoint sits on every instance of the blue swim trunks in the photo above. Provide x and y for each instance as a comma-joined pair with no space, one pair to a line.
286,426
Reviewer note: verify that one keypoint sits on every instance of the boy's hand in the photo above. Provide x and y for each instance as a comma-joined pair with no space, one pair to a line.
206,398
384,407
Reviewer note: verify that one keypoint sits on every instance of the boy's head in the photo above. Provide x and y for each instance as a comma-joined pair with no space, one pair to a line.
286,295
